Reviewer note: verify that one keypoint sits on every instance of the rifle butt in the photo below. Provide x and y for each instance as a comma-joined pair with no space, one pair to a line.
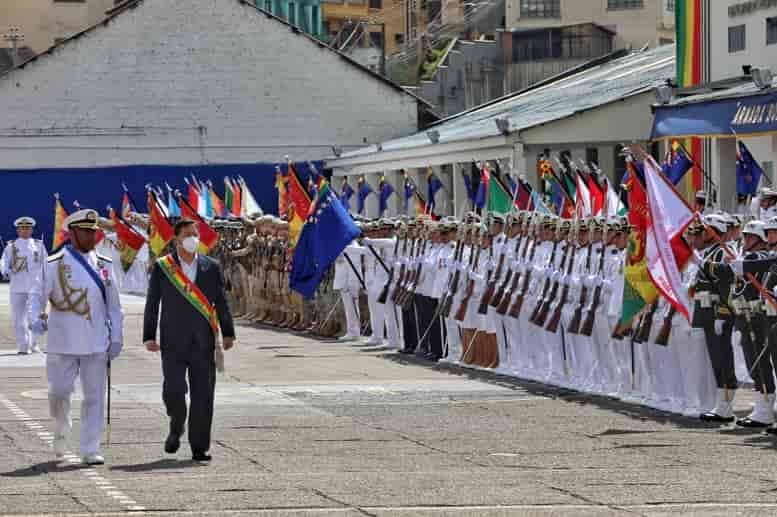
461,312
664,332
552,325
383,297
485,299
515,310
587,328
542,316
574,325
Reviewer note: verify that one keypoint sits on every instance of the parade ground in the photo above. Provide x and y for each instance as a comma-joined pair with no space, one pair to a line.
305,427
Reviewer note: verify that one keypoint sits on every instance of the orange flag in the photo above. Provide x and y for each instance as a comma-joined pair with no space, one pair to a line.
128,239
208,236
60,233
160,230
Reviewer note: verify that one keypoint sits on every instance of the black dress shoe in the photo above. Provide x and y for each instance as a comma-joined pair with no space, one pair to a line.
200,456
751,424
772,431
173,443
406,351
709,416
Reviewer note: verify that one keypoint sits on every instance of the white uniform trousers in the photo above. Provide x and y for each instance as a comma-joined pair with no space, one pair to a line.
25,339
61,371
377,317
698,379
351,306
393,317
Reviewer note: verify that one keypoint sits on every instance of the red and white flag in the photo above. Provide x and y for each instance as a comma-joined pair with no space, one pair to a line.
667,253
582,198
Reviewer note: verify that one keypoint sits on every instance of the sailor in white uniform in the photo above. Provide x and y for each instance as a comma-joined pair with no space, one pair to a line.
23,262
85,331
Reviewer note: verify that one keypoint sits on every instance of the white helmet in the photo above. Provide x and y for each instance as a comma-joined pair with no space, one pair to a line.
771,224
716,222
755,228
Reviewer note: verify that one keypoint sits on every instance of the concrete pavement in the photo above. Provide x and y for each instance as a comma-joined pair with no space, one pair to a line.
305,427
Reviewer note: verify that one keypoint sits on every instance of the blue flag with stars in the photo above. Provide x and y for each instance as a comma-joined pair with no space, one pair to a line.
327,231
748,171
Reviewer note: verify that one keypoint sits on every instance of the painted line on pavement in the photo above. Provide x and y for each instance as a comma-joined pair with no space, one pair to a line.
88,472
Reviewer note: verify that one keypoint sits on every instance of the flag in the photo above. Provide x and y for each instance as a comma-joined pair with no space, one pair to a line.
679,163
613,201
639,290
666,251
596,193
208,236
364,190
434,185
237,198
499,198
470,188
249,205
326,233
561,203
748,171
126,205
481,199
229,198
283,194
173,210
385,189
582,198
217,206
346,195
298,193
538,203
409,190
130,242
194,195
60,232
422,208
160,231
523,200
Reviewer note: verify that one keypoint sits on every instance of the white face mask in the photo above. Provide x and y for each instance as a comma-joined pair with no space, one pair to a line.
190,244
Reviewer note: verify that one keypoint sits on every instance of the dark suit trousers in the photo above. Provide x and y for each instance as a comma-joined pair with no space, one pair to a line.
721,354
410,325
426,310
195,357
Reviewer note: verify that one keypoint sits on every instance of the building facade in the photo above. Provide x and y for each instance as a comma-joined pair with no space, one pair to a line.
634,22
45,22
305,14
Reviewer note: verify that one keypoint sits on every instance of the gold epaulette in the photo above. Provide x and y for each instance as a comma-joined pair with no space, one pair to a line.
56,256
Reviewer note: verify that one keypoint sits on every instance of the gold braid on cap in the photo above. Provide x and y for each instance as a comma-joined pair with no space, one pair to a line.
73,299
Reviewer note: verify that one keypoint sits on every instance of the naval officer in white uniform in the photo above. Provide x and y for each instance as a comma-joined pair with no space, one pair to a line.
23,262
85,330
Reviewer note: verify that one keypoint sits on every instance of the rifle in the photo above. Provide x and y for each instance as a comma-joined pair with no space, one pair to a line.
556,318
403,268
515,310
453,284
461,313
666,327
496,299
574,325
646,325
383,297
504,302
412,284
590,317
483,307
546,285
542,316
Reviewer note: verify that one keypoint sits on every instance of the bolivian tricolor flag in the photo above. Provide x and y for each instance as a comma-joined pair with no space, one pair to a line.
128,239
160,230
688,27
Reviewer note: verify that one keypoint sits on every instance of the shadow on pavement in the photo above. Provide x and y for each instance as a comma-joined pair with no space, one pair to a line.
634,411
40,469
164,464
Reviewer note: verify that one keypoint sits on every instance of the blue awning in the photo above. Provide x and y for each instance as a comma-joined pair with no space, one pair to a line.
713,116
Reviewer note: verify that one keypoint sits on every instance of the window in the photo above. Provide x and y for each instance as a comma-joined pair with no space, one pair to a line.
670,6
771,31
315,19
268,5
376,40
376,4
292,13
625,4
399,38
541,8
736,38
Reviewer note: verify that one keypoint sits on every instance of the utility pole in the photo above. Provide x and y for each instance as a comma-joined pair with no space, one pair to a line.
14,37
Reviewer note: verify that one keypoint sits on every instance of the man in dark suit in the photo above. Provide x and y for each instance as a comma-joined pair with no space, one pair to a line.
187,338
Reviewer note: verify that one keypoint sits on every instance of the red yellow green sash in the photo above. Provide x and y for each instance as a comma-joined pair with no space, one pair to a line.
189,290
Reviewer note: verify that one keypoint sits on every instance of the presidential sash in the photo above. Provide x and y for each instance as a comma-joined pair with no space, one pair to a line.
196,298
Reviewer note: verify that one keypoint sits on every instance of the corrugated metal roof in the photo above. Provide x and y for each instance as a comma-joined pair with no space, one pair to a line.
607,82
746,88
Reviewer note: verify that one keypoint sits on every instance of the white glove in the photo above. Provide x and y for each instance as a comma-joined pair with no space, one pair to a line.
719,327
607,286
462,267
367,241
38,327
490,265
554,276
114,350
737,266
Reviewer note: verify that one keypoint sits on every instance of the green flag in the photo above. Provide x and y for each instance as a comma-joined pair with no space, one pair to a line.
228,201
498,198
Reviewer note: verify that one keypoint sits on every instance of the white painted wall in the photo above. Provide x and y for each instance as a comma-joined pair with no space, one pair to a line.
214,82
757,53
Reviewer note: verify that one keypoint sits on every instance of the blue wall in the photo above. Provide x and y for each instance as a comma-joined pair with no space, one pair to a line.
31,191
